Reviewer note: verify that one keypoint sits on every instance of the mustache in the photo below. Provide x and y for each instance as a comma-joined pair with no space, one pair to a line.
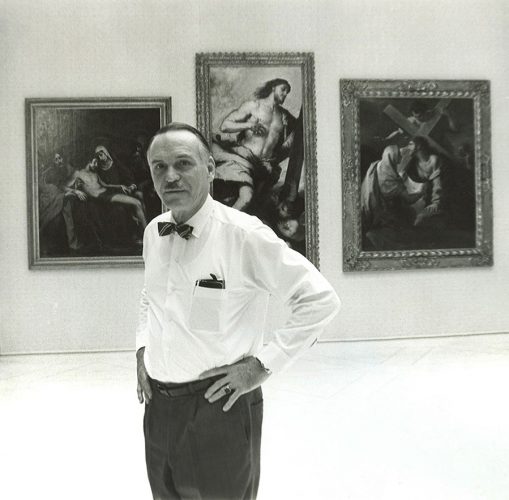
172,185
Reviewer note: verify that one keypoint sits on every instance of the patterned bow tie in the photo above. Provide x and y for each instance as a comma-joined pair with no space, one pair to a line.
184,230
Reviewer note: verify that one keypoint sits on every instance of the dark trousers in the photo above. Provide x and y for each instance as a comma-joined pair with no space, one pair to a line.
195,450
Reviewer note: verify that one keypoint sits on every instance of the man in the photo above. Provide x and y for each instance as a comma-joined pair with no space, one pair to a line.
59,172
424,173
60,209
209,270
264,137
90,183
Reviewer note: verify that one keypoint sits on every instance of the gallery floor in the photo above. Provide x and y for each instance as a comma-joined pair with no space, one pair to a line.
423,419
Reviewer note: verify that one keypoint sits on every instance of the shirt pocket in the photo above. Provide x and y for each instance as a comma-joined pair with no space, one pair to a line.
207,309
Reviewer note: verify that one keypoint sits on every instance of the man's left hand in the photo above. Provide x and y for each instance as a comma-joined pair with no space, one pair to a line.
241,377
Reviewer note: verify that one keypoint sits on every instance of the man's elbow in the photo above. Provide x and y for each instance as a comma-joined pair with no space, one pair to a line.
330,303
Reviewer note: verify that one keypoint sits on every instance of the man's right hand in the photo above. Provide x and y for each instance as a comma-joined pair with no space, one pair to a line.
144,390
80,195
259,130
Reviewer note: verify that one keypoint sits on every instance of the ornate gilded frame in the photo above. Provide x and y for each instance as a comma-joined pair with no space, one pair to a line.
355,258
45,116
251,62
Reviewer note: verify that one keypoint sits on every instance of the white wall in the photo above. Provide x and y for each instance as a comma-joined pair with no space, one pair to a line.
64,48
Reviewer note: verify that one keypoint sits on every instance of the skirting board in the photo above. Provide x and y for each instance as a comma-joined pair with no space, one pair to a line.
323,341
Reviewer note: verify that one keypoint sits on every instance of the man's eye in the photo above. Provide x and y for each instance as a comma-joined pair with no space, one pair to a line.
158,166
183,163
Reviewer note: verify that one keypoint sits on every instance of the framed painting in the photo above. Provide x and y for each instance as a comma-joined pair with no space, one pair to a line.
416,163
258,112
90,192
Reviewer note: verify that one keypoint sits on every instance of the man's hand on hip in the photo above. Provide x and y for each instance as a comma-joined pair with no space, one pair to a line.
144,390
239,378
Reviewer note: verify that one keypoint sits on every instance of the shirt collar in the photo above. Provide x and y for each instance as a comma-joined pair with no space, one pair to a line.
200,218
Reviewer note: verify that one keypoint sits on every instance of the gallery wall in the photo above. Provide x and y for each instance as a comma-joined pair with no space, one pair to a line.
64,48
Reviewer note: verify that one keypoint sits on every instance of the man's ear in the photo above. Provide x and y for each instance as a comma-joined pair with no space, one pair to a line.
211,166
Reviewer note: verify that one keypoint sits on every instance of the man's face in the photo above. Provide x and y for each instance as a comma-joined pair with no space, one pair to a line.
182,171
419,115
92,165
58,160
280,93
101,155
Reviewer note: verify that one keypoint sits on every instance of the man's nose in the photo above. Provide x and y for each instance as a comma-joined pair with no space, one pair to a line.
172,175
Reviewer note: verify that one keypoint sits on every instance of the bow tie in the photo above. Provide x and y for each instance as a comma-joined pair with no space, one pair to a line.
184,230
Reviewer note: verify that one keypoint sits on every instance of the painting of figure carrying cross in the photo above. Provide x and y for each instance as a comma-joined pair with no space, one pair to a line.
418,173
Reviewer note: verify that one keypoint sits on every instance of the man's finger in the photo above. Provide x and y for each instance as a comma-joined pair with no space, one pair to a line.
231,401
147,390
220,370
215,388
218,395
140,393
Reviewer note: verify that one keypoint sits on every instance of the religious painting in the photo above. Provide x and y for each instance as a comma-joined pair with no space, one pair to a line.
416,166
258,112
90,192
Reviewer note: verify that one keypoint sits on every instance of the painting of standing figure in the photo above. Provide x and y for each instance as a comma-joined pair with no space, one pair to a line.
413,173
90,190
254,110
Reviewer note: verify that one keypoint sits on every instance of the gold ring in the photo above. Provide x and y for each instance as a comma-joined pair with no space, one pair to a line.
227,389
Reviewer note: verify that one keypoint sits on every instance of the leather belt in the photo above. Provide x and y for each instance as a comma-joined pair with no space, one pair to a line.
173,390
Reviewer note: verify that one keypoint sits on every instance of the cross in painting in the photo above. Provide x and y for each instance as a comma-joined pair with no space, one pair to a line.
425,128
295,162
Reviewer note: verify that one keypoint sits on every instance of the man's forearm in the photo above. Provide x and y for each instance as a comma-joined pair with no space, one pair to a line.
141,330
231,126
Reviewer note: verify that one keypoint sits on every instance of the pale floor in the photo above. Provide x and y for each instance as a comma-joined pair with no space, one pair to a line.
409,419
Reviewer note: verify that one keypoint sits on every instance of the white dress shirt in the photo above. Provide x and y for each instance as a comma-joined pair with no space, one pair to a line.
187,329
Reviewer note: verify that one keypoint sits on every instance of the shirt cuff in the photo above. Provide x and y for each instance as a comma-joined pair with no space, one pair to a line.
273,358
